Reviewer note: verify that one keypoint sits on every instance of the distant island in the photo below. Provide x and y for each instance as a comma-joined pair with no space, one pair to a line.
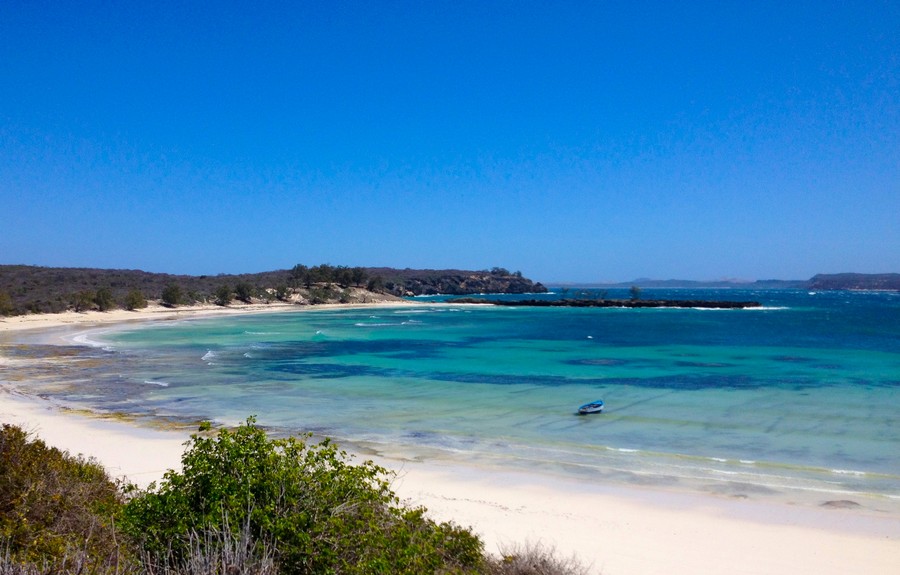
33,289
848,281
842,281
629,303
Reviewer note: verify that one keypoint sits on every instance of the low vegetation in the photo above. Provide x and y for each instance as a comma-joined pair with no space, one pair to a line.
243,504
33,289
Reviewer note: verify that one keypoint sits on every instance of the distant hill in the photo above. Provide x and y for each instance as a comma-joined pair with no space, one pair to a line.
33,289
844,281
722,284
850,281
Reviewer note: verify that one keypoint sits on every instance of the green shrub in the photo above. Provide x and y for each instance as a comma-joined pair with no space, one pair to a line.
104,299
223,295
172,295
319,513
6,304
56,510
135,299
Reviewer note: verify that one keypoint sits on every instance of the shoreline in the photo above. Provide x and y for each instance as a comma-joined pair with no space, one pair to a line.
619,530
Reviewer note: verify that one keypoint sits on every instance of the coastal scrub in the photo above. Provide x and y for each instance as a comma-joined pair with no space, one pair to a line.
319,512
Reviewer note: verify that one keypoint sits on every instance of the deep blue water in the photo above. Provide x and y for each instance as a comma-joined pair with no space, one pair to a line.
797,400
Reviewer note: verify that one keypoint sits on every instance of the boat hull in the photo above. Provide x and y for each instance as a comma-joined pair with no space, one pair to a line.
592,407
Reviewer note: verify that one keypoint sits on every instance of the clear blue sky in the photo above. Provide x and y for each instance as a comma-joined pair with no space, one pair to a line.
578,141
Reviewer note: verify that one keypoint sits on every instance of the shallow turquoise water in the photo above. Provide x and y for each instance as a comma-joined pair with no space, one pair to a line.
798,399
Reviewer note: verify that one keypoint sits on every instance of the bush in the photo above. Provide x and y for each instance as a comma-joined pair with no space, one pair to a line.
6,304
244,504
104,299
56,511
172,295
535,559
135,300
244,292
223,295
306,501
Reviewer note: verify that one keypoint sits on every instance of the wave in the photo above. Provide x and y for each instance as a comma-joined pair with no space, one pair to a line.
154,382
209,355
84,339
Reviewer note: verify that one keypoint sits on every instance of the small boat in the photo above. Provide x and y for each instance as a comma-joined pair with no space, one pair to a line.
592,407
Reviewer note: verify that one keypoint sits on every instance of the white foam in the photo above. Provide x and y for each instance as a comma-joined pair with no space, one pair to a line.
849,472
83,339
154,382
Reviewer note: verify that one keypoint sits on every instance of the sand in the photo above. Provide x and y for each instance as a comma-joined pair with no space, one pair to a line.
615,530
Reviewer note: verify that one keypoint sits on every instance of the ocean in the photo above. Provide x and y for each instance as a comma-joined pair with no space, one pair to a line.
795,401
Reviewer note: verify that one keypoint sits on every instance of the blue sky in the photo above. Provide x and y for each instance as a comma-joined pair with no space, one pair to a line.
574,141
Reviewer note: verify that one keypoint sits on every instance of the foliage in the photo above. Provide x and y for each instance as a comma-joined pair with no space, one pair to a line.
223,295
244,291
83,301
134,299
172,295
635,293
535,559
6,304
282,292
244,504
376,284
34,289
320,513
320,295
55,509
104,299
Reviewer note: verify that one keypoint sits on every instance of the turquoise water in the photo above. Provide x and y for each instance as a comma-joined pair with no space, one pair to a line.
797,400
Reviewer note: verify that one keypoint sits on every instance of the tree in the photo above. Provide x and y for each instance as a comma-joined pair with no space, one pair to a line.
104,299
6,304
635,293
343,276
376,284
299,275
172,295
223,295
83,301
244,292
134,299
358,276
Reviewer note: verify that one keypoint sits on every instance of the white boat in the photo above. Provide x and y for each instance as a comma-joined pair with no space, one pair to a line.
592,407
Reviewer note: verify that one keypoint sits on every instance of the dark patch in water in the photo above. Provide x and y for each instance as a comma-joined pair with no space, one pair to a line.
596,362
411,349
326,370
701,364
792,359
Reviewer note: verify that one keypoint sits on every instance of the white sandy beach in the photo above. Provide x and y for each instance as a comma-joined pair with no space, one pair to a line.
619,531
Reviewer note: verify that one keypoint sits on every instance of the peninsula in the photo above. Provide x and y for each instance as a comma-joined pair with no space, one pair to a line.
33,289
